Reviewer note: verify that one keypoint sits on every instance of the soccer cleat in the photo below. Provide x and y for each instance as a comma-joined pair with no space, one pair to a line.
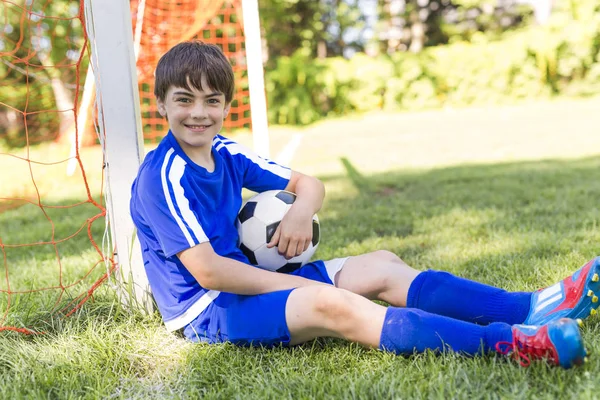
559,342
574,297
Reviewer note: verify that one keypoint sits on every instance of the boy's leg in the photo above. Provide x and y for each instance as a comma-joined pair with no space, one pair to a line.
379,275
316,311
382,275
443,293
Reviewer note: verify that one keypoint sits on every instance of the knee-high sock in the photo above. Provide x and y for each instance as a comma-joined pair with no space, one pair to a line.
446,294
406,330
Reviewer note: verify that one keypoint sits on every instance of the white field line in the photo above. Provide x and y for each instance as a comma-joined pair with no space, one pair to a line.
286,154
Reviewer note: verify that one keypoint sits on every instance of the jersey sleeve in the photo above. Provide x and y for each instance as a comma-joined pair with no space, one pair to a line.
167,210
259,173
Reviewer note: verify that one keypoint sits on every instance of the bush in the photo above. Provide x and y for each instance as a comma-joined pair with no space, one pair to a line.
537,62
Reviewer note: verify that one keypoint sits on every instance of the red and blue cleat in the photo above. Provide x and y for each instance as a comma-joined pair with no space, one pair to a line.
574,297
559,342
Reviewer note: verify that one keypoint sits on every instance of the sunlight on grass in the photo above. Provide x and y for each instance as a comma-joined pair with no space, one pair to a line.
461,235
110,358
378,142
43,170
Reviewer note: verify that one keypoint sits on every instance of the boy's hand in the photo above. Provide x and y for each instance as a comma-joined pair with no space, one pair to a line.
293,235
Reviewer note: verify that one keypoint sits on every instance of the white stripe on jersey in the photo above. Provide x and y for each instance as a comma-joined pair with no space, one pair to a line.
175,174
179,165
235,148
192,312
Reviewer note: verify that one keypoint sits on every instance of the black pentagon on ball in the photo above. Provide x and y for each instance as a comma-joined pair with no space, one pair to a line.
316,233
247,211
289,267
286,197
248,253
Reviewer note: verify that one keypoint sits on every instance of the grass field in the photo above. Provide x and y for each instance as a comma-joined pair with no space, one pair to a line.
508,196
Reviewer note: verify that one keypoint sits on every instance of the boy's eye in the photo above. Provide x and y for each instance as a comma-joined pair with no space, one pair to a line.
213,101
183,99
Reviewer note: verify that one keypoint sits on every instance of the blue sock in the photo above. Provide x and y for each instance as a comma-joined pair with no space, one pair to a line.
445,294
406,330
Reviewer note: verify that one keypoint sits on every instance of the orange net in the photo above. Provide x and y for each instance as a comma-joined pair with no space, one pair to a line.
53,254
49,223
166,23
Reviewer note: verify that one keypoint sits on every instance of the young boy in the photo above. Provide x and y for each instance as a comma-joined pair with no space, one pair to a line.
184,203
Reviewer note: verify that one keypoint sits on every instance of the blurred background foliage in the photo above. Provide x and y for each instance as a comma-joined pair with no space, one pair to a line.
332,57
465,52
38,79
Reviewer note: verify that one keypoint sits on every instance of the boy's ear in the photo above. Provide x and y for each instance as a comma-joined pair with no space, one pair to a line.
226,110
161,107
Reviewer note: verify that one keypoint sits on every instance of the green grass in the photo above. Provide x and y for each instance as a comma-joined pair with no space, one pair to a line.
499,199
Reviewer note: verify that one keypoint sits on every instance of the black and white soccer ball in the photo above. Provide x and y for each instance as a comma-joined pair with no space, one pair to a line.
257,221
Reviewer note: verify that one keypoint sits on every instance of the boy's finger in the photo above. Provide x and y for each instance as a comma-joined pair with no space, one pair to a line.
306,244
283,245
274,238
294,249
300,248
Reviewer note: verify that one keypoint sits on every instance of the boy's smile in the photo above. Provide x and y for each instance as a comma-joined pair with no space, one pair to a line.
195,117
197,128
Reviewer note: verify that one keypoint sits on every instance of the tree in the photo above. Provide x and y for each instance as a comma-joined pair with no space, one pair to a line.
40,49
414,24
321,27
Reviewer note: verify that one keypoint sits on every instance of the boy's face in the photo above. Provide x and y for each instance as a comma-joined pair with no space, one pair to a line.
195,117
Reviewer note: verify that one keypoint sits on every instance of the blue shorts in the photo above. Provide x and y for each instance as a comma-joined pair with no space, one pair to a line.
256,320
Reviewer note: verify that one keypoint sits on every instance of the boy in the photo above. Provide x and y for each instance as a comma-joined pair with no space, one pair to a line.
184,203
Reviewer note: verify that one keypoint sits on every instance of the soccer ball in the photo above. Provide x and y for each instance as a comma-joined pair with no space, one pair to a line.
257,221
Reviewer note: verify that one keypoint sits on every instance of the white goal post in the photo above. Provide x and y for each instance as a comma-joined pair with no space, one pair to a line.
113,62
108,23
256,80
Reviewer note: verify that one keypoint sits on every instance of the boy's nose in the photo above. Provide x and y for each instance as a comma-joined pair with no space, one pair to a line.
198,112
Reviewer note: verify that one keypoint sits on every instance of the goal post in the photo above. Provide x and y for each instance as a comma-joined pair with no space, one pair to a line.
108,24
256,81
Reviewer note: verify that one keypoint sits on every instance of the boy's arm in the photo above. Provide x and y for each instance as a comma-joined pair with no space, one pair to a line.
294,234
214,272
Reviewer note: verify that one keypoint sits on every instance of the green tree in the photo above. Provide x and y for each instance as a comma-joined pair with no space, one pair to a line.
320,27
41,47
414,24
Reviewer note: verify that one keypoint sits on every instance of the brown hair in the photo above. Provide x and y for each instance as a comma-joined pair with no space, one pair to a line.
192,60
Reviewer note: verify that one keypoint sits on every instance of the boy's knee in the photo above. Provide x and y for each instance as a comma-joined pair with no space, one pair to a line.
386,256
383,257
334,305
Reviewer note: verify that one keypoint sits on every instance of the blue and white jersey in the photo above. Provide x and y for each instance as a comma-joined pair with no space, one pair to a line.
177,204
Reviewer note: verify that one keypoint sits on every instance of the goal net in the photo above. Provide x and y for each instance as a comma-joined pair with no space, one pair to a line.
159,25
56,248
